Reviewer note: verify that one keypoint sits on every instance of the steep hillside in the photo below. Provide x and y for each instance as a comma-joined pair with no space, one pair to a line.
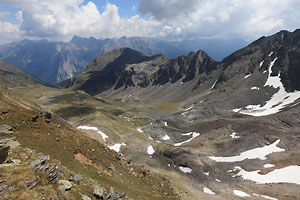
12,77
50,159
112,73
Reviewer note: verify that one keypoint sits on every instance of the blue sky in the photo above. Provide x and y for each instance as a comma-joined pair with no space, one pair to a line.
163,19
126,8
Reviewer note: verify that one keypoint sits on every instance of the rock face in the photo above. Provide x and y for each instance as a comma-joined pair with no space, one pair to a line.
126,68
53,62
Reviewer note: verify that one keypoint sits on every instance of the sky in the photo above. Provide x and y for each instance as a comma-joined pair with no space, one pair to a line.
164,19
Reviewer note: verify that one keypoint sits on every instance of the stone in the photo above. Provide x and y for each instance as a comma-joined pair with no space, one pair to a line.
98,192
3,112
37,163
53,173
30,183
3,153
6,129
64,185
76,178
34,118
47,115
85,197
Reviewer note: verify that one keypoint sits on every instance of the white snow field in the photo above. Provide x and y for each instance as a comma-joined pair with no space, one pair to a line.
193,134
257,153
290,174
103,135
186,170
116,147
240,193
278,101
234,136
166,137
150,150
208,191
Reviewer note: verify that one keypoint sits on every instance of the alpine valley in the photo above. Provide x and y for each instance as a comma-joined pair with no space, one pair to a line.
134,122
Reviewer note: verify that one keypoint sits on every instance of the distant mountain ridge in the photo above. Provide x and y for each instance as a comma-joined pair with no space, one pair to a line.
158,77
54,62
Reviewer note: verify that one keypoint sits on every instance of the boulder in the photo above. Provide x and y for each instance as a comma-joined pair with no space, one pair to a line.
3,153
85,197
76,178
34,118
64,185
98,192
30,183
6,129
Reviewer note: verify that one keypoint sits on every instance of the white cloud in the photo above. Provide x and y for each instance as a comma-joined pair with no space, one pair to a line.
224,18
168,19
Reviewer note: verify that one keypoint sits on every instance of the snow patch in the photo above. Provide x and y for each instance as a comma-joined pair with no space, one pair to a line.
288,174
103,135
117,147
193,134
212,87
254,88
208,191
206,173
240,193
186,170
267,197
150,150
166,137
218,180
248,75
278,101
262,62
88,128
140,130
166,123
268,165
189,108
233,135
257,153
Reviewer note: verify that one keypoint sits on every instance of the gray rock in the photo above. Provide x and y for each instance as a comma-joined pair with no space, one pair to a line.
37,163
3,153
65,185
34,118
6,129
98,192
85,197
76,178
31,183
53,174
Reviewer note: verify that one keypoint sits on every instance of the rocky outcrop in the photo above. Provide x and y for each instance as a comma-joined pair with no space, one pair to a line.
65,185
6,129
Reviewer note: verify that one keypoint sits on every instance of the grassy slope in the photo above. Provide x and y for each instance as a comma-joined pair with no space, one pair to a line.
43,137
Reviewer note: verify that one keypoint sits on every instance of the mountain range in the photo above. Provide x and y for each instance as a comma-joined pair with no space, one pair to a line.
53,62
141,126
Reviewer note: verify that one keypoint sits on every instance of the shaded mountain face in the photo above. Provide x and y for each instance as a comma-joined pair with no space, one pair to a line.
197,73
126,68
12,77
54,62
